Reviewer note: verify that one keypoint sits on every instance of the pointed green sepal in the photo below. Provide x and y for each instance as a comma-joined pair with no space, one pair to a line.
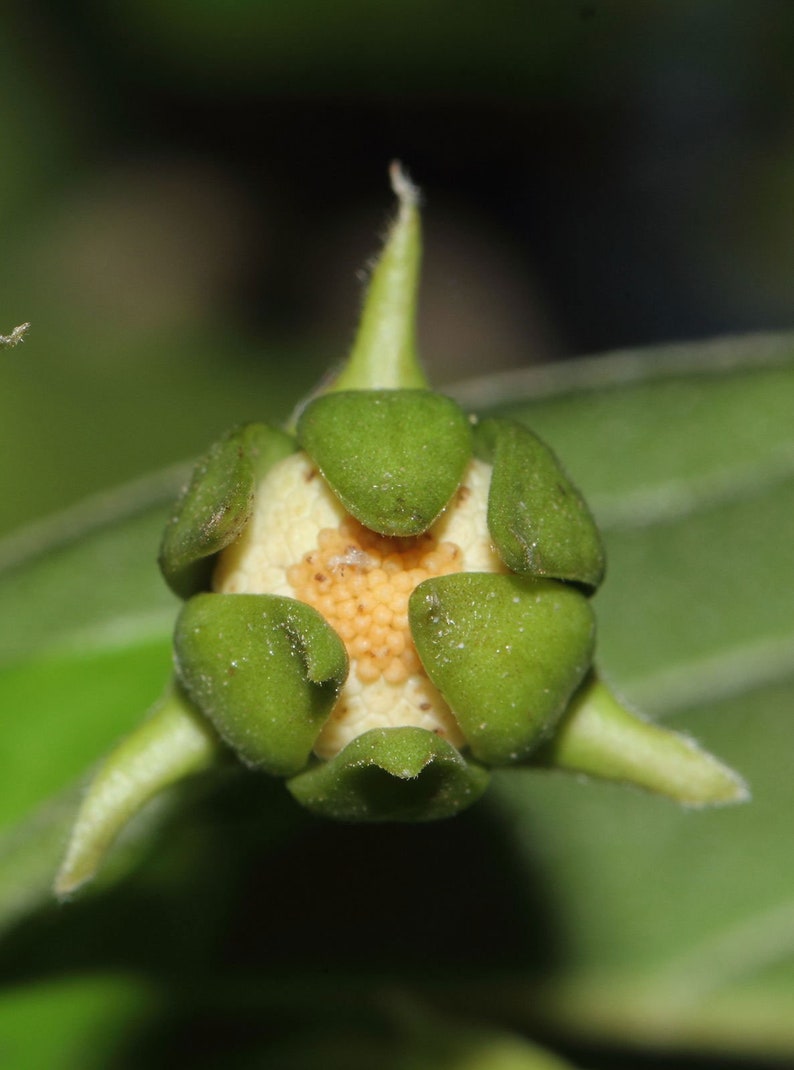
538,519
392,774
265,670
384,355
506,653
598,736
394,458
217,503
174,742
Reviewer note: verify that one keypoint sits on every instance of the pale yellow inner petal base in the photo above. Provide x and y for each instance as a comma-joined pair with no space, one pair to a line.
301,543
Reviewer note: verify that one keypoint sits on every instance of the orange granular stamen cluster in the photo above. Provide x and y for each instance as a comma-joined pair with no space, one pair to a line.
361,581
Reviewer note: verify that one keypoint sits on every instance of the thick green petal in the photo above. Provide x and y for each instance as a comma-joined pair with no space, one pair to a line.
598,736
265,670
506,653
392,774
217,503
394,458
172,743
538,519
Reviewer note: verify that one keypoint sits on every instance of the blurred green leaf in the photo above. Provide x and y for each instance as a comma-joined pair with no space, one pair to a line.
85,650
689,465
671,927
73,1023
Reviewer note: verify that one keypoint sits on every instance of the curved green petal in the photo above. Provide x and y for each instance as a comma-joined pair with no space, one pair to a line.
394,458
506,653
217,503
538,519
598,736
265,670
173,743
392,774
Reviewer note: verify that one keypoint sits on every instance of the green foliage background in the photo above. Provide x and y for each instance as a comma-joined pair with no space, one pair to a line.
584,911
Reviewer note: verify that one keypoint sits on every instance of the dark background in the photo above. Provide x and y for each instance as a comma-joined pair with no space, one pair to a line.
189,189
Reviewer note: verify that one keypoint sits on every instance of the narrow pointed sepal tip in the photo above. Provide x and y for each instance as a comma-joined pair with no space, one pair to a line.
19,333
406,191
724,786
600,737
384,354
172,743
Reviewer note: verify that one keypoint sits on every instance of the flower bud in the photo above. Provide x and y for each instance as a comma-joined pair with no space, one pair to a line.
383,602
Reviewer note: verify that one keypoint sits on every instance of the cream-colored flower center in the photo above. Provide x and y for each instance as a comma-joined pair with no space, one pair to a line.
300,542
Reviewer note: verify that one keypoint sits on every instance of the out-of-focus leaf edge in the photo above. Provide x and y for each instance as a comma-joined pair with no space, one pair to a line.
717,356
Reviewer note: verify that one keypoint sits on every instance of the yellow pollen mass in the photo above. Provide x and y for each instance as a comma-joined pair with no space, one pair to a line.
361,581
301,543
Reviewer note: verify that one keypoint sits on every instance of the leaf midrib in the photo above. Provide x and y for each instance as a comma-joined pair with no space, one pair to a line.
678,499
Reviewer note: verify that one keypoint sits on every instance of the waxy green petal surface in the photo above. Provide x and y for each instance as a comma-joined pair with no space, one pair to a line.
217,503
538,519
392,774
394,458
265,670
506,653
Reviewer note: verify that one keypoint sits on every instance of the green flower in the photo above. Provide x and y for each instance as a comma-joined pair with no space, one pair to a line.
381,604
